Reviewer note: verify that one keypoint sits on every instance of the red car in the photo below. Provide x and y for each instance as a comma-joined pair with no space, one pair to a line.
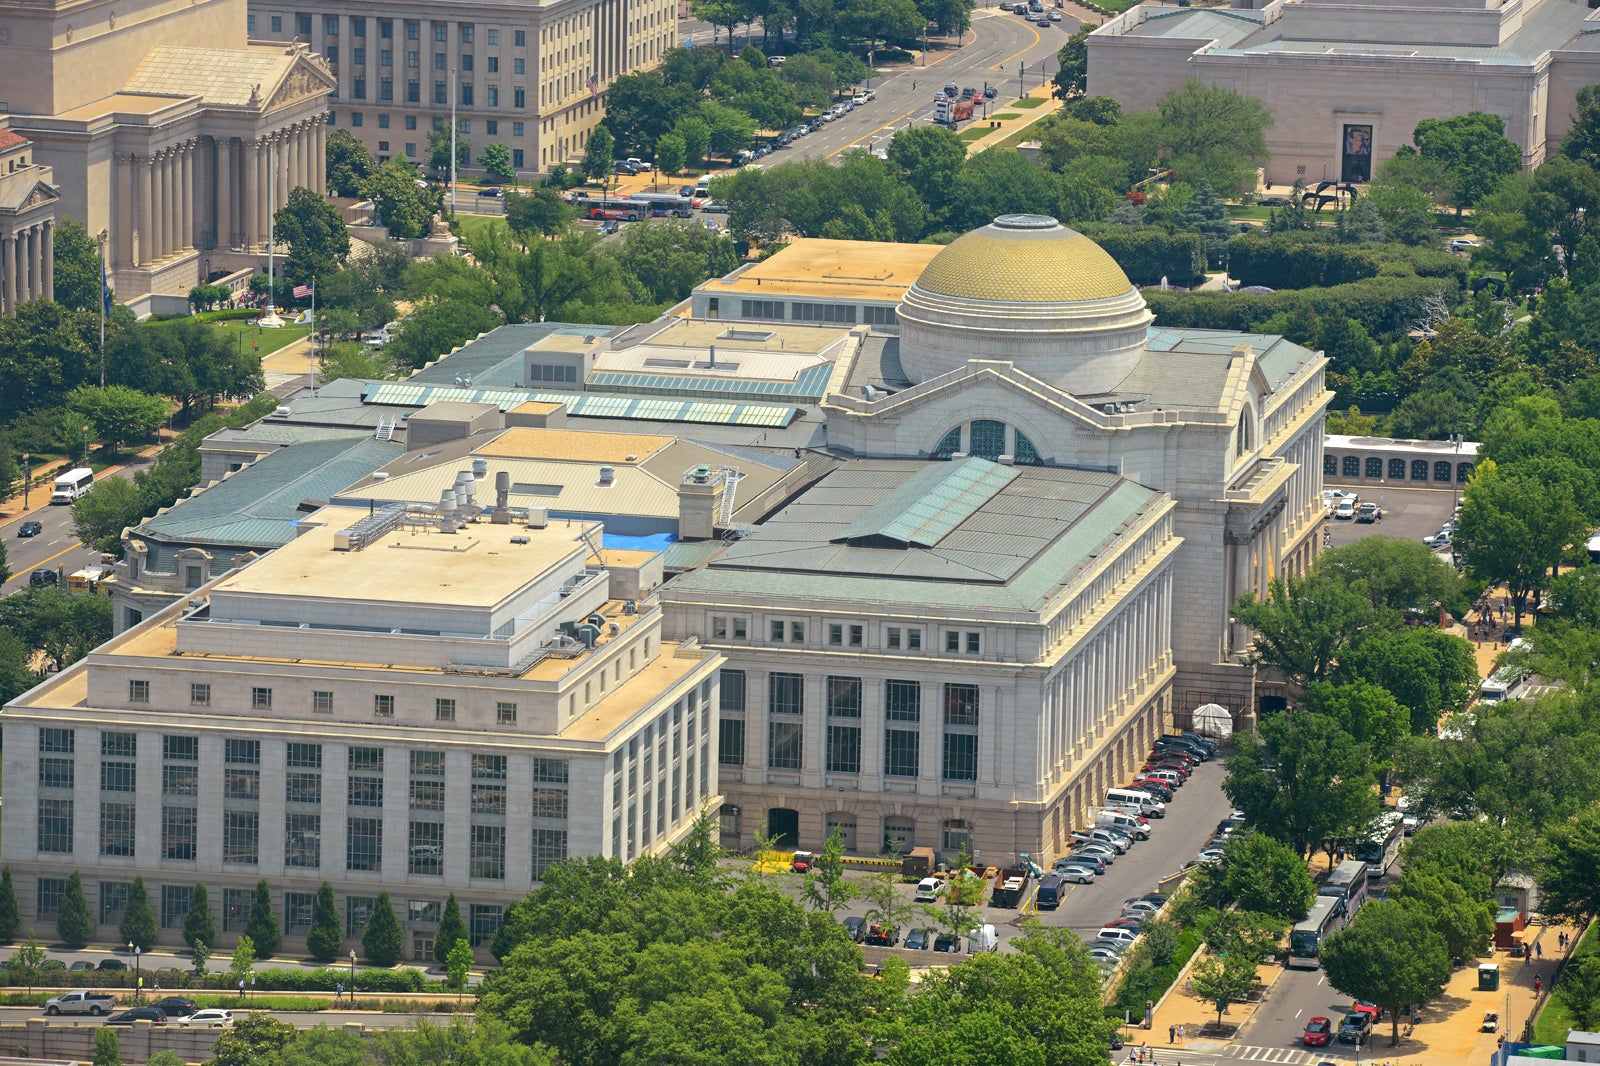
1318,1030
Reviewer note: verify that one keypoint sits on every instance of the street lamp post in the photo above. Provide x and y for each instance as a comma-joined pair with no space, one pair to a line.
138,977
27,477
352,978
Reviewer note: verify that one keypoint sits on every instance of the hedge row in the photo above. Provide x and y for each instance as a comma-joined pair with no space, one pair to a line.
1147,984
297,979
1305,261
1148,253
1384,305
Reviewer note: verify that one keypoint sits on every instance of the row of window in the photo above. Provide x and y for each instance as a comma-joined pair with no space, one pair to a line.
441,61
902,715
484,919
798,311
1374,468
383,704
955,834
847,635
466,32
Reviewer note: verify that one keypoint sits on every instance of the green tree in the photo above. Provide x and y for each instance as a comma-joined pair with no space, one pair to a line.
208,297
729,128
1580,990
107,1048
1302,779
671,154
164,1057
1465,923
75,922
1567,884
1222,980
54,622
199,927
1304,624
326,935
349,163
351,360
669,258
262,925
457,966
495,159
382,941
77,267
696,135
541,213
1405,210
118,413
1072,62
1474,151
404,208
929,158
199,955
250,1040
138,926
1265,875
1215,134
242,966
25,962
1369,713
1516,527
10,913
316,234
451,929
597,152
877,20
1430,672
1390,955
826,887
436,327
439,151
1398,575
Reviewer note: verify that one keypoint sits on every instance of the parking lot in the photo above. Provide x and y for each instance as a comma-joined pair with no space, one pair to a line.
1408,514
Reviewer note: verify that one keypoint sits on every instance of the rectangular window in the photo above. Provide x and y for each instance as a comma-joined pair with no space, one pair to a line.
138,692
237,903
331,54
844,749
330,25
974,643
786,694
441,32
424,911
359,88
485,921
892,637
770,309
519,66
466,61
117,776
857,636
277,24
494,35
427,781
783,745
364,844
493,64
730,742
493,100
519,38
960,757
55,826
731,691
549,848
199,695
297,911
952,640
914,639
719,627
505,713
302,787
466,101
466,33
303,25
241,784
879,316
386,29
260,699
427,848
411,148
439,93
357,909
357,118
488,784
57,741
902,701
487,857
776,631
810,312
175,903
241,837
900,747
516,131
306,756
844,697
413,31
439,61
358,56
385,57
56,773
519,97
383,706
114,901
835,635
116,829
444,710
178,829
413,96
180,781
414,60
322,702
358,26
50,892
797,632
960,705
302,840
411,124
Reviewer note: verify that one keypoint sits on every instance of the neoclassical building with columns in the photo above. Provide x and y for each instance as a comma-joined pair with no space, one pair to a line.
164,127
27,225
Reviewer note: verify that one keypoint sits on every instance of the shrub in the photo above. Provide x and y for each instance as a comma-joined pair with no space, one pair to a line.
1148,253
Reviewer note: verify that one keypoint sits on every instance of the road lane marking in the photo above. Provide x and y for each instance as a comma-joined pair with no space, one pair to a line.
872,133
40,565
1018,52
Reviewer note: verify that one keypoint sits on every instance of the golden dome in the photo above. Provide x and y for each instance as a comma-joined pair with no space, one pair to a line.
1024,259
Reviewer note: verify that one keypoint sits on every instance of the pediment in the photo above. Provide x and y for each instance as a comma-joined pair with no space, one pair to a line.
993,382
25,195
307,78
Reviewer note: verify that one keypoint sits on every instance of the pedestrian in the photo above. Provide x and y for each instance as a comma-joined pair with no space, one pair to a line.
1182,1035
241,989
338,992
1538,946
1527,957
1172,1034
1187,987
1538,985
1144,1052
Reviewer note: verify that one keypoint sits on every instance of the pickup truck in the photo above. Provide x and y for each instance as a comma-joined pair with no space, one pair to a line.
81,1001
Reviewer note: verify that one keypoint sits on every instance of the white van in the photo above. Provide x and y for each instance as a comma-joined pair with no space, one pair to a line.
703,186
928,890
1128,823
1152,807
983,938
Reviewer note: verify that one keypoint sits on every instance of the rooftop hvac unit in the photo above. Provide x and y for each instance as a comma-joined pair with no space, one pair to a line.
588,635
480,468
538,517
596,620
702,474
608,474
519,539
630,607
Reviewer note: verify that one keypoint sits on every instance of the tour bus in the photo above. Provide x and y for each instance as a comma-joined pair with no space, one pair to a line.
1382,844
1506,683
610,208
1348,884
71,485
1305,939
661,205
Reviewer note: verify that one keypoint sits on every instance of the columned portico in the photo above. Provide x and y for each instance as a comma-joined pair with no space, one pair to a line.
27,261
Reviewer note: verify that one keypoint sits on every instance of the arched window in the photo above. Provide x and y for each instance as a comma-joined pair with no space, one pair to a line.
949,445
1330,465
1419,470
1397,469
1463,472
1026,453
897,835
1242,441
1374,467
1443,470
988,438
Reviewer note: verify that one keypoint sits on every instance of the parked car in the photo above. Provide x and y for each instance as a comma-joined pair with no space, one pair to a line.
928,890
1319,1031
1132,922
139,1014
112,964
802,863
43,576
1463,244
1439,540
29,528
1355,1028
210,1018
1367,512
176,1006
950,945
883,936
1345,509
81,1001
1077,873
80,965
1093,860
1118,932
919,940
1117,946
1104,953
686,191
856,926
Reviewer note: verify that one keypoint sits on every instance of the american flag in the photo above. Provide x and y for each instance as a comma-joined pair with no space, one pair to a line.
302,292
594,84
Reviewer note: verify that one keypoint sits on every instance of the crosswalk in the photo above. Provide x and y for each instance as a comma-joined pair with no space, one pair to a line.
1216,1053
1287,1055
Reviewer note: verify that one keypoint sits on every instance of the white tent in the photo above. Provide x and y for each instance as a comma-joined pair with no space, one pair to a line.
1213,720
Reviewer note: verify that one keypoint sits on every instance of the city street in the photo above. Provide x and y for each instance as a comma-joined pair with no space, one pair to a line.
300,1019
56,547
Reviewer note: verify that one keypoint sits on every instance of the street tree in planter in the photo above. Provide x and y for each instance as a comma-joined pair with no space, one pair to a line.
75,922
327,934
262,925
138,925
199,927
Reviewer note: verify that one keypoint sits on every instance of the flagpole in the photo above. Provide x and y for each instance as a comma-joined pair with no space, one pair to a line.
270,320
313,337
104,296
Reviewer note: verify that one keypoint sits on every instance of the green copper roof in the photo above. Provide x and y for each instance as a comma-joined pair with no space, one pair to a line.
930,504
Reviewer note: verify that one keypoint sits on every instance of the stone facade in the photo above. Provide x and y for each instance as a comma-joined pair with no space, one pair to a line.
27,225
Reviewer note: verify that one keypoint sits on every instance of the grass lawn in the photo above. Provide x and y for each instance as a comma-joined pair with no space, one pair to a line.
1006,115
1026,133
266,341
1555,1019
1259,214
1029,102
972,133
476,225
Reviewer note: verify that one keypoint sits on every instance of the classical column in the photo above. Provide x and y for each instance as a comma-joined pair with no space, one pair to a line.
320,165
27,277
147,233
224,192
263,190
160,200
186,196
8,271
252,191
122,211
47,259
289,162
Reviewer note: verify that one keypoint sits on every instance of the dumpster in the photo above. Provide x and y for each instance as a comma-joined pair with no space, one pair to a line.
1488,977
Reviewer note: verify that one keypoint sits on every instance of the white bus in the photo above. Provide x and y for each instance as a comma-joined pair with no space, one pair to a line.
71,485
1381,846
1305,939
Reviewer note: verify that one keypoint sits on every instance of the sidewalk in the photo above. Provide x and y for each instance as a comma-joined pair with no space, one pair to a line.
39,496
1026,117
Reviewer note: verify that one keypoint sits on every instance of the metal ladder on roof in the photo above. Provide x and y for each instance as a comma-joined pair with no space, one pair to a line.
730,486
385,430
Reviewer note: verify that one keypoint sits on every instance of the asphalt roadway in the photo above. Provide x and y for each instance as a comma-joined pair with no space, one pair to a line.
300,1019
57,546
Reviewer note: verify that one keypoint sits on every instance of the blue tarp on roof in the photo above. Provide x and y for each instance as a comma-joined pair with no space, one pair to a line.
655,542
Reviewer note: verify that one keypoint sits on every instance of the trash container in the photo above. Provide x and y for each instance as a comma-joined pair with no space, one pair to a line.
1488,977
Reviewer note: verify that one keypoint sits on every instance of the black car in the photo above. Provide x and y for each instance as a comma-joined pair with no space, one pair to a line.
175,1006
919,940
856,927
950,945
491,194
990,92
29,528
112,964
43,576
139,1014
686,191
1355,1027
